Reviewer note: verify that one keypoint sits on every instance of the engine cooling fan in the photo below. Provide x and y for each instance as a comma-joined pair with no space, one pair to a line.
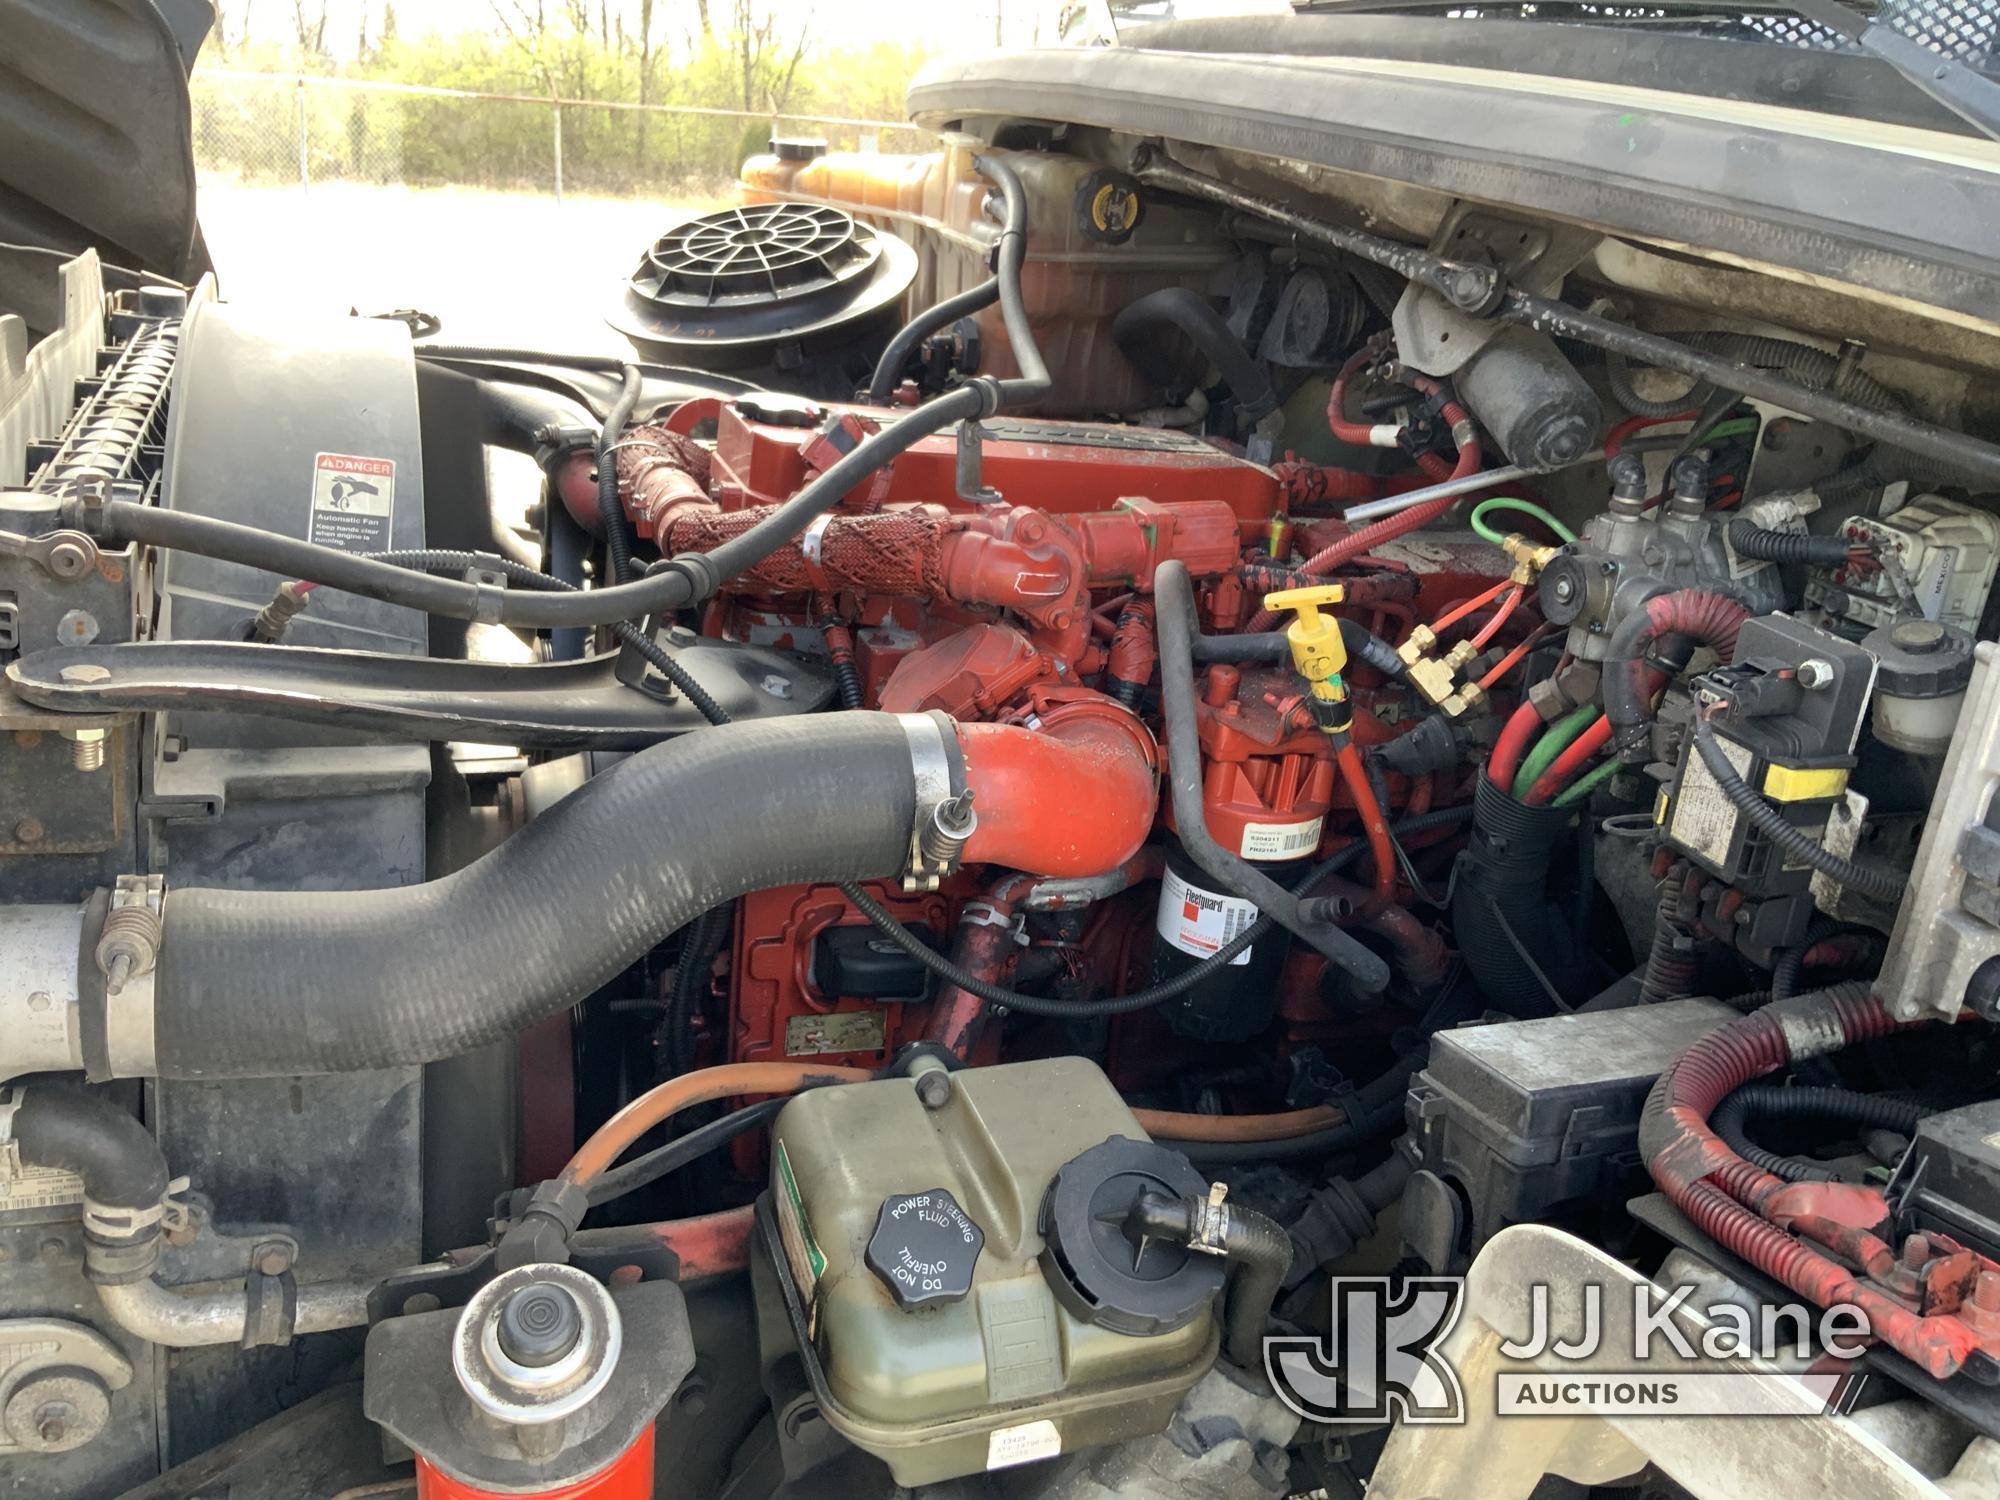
743,282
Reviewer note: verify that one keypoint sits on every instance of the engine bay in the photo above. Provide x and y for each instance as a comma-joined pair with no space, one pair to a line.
880,897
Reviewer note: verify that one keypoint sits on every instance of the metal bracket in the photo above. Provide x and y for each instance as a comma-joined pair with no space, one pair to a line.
971,486
61,554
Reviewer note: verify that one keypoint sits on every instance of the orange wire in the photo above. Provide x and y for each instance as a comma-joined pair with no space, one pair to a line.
1356,776
1453,616
1513,658
1168,1125
1492,627
617,1135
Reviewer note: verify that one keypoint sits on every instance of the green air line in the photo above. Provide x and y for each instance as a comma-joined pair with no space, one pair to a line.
1524,507
1589,784
1555,739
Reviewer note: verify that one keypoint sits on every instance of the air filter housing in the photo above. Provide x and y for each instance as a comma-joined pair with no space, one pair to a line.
733,287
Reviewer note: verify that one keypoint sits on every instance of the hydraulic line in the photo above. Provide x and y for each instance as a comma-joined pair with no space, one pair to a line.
1466,607
1479,291
1491,628
1586,784
1514,658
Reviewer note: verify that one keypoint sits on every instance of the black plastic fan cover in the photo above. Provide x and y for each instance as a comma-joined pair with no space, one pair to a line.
744,281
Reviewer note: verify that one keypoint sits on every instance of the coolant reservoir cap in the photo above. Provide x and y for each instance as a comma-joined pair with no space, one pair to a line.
1096,1266
924,1248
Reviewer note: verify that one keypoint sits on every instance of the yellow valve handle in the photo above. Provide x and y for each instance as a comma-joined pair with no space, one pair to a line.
1319,654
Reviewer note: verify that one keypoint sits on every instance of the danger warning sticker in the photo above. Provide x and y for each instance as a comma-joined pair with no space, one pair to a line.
353,502
1200,922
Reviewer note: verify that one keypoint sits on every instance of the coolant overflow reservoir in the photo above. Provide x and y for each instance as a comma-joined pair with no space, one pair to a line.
958,1303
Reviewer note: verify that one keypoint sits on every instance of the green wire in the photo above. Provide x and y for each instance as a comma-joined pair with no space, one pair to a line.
1736,427
1590,783
1524,507
1555,739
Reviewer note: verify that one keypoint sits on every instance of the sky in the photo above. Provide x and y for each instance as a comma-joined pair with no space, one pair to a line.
941,25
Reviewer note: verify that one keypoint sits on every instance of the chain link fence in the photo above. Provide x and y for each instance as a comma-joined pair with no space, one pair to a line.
272,129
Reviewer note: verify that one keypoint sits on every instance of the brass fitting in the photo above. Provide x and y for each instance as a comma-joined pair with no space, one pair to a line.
1419,642
1432,678
1530,557
1319,653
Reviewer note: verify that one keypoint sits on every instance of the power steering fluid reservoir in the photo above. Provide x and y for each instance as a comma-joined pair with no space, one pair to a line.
955,1270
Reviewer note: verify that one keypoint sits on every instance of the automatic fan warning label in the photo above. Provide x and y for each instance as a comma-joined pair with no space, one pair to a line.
353,502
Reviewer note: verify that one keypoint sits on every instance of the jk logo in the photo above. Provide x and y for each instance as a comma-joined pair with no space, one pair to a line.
1379,1360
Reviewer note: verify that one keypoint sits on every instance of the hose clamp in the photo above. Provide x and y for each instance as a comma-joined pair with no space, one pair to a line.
944,817
812,547
127,956
1208,1222
489,594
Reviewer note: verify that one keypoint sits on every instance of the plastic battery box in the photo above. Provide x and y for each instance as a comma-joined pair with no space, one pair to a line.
1516,1120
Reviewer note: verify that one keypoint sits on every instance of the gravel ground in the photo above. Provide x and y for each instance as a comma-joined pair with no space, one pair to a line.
499,268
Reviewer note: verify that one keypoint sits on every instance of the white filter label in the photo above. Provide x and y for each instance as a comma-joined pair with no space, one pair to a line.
1280,840
1200,922
1008,1446
353,502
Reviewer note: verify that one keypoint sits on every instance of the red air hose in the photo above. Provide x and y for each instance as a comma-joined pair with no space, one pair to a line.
1402,523
1566,765
1380,846
1512,745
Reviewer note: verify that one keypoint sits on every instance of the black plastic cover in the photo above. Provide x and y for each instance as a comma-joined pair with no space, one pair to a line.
1949,1179
1096,1266
858,963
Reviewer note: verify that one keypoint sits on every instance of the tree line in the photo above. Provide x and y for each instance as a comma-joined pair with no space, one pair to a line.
710,54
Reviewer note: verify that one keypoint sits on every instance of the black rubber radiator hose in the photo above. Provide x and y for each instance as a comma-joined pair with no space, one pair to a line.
255,983
116,1156
1179,309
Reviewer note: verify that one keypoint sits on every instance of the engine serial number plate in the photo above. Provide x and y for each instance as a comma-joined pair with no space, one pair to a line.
840,1031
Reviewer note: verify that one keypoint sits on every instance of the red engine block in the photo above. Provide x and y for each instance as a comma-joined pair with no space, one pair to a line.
1004,610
